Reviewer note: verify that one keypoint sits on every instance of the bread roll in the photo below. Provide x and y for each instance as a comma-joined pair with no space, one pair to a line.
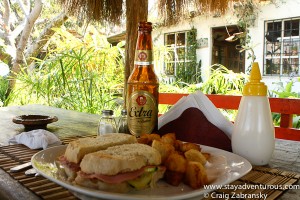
77,149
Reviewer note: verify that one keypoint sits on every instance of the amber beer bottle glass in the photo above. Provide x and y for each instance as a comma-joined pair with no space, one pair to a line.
142,86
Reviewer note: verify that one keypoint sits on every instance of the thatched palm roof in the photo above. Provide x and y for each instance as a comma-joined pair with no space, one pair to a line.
95,10
170,11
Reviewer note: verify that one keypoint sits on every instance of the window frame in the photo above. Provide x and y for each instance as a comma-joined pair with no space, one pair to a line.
174,49
286,58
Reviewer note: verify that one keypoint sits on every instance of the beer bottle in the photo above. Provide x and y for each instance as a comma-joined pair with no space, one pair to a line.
142,86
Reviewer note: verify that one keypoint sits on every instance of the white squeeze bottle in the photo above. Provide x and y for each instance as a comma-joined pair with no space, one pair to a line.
253,135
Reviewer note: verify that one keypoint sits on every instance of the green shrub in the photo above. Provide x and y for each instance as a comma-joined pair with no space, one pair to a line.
221,81
224,81
285,92
3,88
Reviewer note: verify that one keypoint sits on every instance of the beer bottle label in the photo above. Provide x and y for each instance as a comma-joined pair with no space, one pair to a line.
142,112
143,57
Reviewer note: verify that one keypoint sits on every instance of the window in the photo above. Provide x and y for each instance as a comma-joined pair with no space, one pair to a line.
282,47
178,53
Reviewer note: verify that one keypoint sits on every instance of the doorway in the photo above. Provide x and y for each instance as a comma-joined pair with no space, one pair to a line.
225,52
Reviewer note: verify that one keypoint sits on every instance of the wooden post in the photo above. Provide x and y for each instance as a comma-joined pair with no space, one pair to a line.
286,121
136,11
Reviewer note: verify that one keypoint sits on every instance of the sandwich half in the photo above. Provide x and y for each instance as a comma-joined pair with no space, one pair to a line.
77,149
121,168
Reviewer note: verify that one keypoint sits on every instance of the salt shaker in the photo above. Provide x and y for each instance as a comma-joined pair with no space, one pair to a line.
107,123
122,125
253,134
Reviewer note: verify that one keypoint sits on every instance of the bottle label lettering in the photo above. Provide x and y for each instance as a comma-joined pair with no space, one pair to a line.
142,112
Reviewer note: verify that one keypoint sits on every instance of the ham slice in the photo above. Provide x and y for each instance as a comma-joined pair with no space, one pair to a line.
119,178
73,166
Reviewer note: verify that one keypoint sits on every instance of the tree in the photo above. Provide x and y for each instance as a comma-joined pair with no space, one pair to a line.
135,12
17,25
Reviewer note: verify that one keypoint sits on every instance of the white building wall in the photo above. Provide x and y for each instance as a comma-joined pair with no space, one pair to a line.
204,25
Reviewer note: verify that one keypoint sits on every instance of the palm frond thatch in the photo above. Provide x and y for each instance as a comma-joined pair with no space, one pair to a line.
95,10
170,11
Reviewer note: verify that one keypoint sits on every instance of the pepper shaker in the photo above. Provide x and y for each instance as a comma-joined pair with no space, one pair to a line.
122,125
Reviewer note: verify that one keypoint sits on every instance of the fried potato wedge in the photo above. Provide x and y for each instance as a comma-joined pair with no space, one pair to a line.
195,155
206,155
184,161
154,136
169,138
187,146
148,138
177,144
176,162
173,178
195,175
143,140
164,149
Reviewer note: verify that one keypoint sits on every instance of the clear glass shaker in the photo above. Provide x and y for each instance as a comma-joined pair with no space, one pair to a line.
107,123
122,125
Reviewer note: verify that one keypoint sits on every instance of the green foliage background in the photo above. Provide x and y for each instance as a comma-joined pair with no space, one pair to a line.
86,74
83,74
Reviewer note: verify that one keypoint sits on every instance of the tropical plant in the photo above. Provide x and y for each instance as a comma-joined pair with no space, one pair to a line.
83,74
224,81
221,81
285,92
3,88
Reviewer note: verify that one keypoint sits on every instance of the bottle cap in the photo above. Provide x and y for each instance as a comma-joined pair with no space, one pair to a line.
124,112
108,112
254,87
145,26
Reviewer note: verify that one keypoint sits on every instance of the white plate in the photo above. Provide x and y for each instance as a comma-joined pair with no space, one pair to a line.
223,168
